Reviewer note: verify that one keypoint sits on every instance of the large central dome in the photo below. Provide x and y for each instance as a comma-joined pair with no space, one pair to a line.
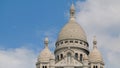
72,30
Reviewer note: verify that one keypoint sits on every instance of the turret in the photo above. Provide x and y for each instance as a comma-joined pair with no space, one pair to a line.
95,57
46,57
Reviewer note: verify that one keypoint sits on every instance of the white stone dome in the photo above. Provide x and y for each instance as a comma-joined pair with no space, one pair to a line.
45,55
95,56
72,30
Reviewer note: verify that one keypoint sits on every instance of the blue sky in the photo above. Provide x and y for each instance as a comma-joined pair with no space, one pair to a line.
25,23
21,20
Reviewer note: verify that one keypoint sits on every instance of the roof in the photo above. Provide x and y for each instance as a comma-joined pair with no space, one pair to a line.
95,55
72,30
46,54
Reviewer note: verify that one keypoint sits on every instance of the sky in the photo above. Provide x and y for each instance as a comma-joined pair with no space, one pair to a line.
25,23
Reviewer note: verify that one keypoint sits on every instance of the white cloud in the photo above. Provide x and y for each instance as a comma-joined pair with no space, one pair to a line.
17,58
102,18
113,56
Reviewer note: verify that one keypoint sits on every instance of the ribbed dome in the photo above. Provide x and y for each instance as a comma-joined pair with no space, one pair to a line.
95,56
72,30
46,55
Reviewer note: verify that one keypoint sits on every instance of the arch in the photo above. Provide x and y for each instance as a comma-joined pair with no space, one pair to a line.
62,42
71,41
80,42
81,57
66,41
58,44
69,51
58,57
96,66
68,57
76,55
76,41
61,55
45,66
68,54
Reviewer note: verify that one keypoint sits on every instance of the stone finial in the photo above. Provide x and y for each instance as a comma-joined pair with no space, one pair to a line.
72,11
46,41
94,42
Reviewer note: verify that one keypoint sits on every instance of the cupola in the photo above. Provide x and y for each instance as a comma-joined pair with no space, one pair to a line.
72,30
45,54
95,55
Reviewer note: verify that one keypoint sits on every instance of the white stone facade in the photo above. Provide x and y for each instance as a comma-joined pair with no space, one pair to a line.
72,49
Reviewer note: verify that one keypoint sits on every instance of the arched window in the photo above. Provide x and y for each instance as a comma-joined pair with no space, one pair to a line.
58,44
93,66
76,55
71,41
66,41
58,57
76,41
69,57
80,42
84,44
61,42
45,66
81,57
61,56
96,66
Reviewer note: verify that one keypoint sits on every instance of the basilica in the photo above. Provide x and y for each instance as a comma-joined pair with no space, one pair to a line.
72,49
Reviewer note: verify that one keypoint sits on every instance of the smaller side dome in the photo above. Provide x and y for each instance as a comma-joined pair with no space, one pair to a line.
95,55
45,54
